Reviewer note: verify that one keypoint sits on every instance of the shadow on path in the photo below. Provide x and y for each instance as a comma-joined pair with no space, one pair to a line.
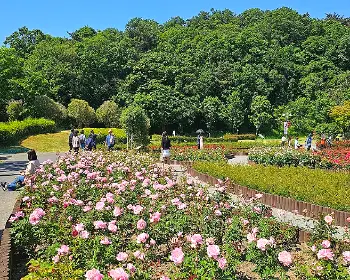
11,168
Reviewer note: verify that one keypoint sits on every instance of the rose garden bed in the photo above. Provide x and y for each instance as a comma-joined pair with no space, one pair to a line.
119,216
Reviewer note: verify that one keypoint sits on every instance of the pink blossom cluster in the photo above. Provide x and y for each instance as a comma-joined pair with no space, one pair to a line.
36,216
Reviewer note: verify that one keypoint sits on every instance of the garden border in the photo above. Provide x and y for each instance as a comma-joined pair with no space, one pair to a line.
6,246
276,201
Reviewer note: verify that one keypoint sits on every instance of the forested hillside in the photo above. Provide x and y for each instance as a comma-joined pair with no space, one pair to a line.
218,70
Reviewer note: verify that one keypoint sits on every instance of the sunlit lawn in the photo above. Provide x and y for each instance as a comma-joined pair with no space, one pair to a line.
51,142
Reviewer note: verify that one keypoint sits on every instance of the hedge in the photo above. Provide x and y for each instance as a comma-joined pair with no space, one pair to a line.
226,138
120,135
14,132
325,188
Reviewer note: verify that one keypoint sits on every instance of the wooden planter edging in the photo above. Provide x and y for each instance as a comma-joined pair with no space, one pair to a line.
285,203
5,247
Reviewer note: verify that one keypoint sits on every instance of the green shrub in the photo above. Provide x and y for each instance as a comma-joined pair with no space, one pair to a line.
317,186
81,112
226,138
14,110
14,132
45,107
108,114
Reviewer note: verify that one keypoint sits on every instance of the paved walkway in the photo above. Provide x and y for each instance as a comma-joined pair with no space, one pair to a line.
11,165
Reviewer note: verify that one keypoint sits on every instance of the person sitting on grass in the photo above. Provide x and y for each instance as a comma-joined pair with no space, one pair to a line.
32,166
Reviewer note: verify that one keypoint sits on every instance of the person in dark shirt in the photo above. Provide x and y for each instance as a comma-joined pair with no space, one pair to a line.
165,147
70,139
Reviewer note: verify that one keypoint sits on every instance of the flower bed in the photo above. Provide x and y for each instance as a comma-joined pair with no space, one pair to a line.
333,158
118,216
211,152
330,189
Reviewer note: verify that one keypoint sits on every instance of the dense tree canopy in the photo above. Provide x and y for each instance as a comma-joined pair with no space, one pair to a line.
187,74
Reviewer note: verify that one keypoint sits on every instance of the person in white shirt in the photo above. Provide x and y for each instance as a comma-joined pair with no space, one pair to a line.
296,143
75,142
32,166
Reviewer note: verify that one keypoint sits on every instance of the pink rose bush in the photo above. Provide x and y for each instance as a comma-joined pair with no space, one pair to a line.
120,216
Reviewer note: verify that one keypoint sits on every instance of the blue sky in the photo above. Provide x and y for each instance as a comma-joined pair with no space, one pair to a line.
56,17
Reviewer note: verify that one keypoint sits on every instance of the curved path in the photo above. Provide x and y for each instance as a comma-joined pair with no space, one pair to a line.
10,166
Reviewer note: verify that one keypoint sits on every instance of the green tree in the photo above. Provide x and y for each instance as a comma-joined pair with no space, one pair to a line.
80,111
25,40
109,114
136,124
260,109
341,115
211,109
233,112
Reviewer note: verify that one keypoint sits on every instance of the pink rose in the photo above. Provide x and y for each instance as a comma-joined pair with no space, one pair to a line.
100,205
262,243
84,234
93,274
118,274
112,227
348,219
328,219
137,209
218,213
326,244
213,251
117,211
63,250
196,239
131,268
79,227
325,254
141,224
122,256
106,241
251,237
155,217
164,278
346,257
285,258
259,195
100,225
222,263
142,238
177,256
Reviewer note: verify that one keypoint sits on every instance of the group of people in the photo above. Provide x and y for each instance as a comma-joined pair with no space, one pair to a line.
78,141
324,142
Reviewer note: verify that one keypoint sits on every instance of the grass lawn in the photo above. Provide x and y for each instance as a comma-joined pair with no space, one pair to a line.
50,142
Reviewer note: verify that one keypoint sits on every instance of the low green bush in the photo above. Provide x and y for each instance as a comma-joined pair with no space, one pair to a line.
331,189
120,135
190,139
14,132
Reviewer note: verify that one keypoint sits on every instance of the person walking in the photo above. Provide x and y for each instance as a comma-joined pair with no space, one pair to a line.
165,147
76,142
309,142
32,166
82,140
94,140
199,141
70,140
110,140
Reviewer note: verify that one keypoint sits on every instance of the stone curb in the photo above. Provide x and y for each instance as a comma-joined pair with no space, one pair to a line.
5,247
